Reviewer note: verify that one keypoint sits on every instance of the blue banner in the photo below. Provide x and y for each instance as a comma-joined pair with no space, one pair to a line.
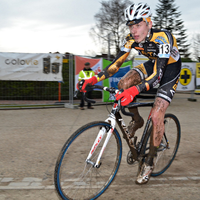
117,77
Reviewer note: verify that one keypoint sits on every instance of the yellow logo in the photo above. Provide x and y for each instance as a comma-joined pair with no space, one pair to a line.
185,76
198,70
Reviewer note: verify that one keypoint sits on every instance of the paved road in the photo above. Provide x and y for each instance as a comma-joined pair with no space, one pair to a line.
32,138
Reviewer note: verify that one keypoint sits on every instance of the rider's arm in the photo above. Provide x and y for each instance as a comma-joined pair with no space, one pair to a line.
113,67
110,69
155,77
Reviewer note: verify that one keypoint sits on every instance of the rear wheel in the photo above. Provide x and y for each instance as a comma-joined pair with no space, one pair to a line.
168,146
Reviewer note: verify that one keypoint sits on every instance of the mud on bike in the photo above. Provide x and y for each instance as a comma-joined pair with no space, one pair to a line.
90,158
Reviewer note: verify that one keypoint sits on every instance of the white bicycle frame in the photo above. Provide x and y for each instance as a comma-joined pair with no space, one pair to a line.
112,120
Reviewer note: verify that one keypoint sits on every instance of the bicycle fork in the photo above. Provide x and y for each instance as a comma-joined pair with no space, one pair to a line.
100,136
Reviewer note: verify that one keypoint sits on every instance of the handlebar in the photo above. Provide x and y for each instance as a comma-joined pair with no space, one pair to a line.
126,113
110,90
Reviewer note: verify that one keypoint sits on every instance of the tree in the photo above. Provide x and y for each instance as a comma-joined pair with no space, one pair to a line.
168,17
110,25
196,47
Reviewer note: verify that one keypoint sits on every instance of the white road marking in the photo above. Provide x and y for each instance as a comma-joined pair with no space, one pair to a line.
27,183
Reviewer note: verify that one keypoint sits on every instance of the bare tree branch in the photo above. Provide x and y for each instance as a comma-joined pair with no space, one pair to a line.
110,20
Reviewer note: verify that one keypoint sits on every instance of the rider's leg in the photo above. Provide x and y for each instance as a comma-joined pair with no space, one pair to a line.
157,116
128,80
136,122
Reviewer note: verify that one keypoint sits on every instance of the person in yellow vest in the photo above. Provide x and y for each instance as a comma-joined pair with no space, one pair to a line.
85,74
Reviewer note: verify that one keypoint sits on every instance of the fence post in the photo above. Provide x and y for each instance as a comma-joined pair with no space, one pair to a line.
71,84
192,97
59,91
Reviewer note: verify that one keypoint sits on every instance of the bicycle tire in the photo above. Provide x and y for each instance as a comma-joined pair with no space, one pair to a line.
73,177
166,151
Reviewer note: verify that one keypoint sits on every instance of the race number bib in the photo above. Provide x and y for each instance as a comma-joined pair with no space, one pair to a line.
164,51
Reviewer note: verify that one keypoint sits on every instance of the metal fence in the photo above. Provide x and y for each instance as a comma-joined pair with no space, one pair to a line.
39,92
33,90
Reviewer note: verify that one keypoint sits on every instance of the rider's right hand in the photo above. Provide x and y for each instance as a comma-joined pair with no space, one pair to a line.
81,85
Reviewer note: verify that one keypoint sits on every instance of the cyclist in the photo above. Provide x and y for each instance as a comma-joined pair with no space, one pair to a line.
163,67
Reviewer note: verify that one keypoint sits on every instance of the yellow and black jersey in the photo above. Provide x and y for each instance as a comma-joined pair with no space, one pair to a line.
160,47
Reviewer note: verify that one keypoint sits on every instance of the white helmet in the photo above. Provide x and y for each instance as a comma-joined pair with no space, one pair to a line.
136,13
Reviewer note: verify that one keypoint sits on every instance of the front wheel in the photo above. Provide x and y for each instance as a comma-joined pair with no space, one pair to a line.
169,144
74,177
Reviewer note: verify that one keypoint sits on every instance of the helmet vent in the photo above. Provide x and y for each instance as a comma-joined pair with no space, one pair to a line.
139,7
136,13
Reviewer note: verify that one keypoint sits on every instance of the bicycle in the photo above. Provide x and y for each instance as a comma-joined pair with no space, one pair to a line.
90,158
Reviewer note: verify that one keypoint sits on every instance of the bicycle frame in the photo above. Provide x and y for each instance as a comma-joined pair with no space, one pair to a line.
114,117
136,151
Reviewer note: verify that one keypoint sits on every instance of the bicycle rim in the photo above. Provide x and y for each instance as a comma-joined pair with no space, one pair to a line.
74,178
168,147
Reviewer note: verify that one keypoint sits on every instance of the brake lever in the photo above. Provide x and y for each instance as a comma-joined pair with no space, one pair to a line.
76,93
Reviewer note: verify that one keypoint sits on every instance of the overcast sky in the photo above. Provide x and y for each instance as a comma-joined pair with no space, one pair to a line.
42,26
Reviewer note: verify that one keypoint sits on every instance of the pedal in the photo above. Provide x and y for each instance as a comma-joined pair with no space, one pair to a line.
130,160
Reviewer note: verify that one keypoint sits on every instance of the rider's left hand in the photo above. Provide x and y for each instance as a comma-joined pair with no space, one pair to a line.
127,95
81,85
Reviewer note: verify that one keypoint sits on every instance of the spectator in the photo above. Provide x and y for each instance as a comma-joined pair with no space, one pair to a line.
86,73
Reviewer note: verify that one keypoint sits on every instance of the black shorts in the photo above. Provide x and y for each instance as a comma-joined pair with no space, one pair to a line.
169,81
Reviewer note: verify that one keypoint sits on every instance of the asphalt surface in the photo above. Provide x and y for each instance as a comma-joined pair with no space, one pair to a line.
32,138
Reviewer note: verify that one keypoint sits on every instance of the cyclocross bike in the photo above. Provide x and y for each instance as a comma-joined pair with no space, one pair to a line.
90,158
